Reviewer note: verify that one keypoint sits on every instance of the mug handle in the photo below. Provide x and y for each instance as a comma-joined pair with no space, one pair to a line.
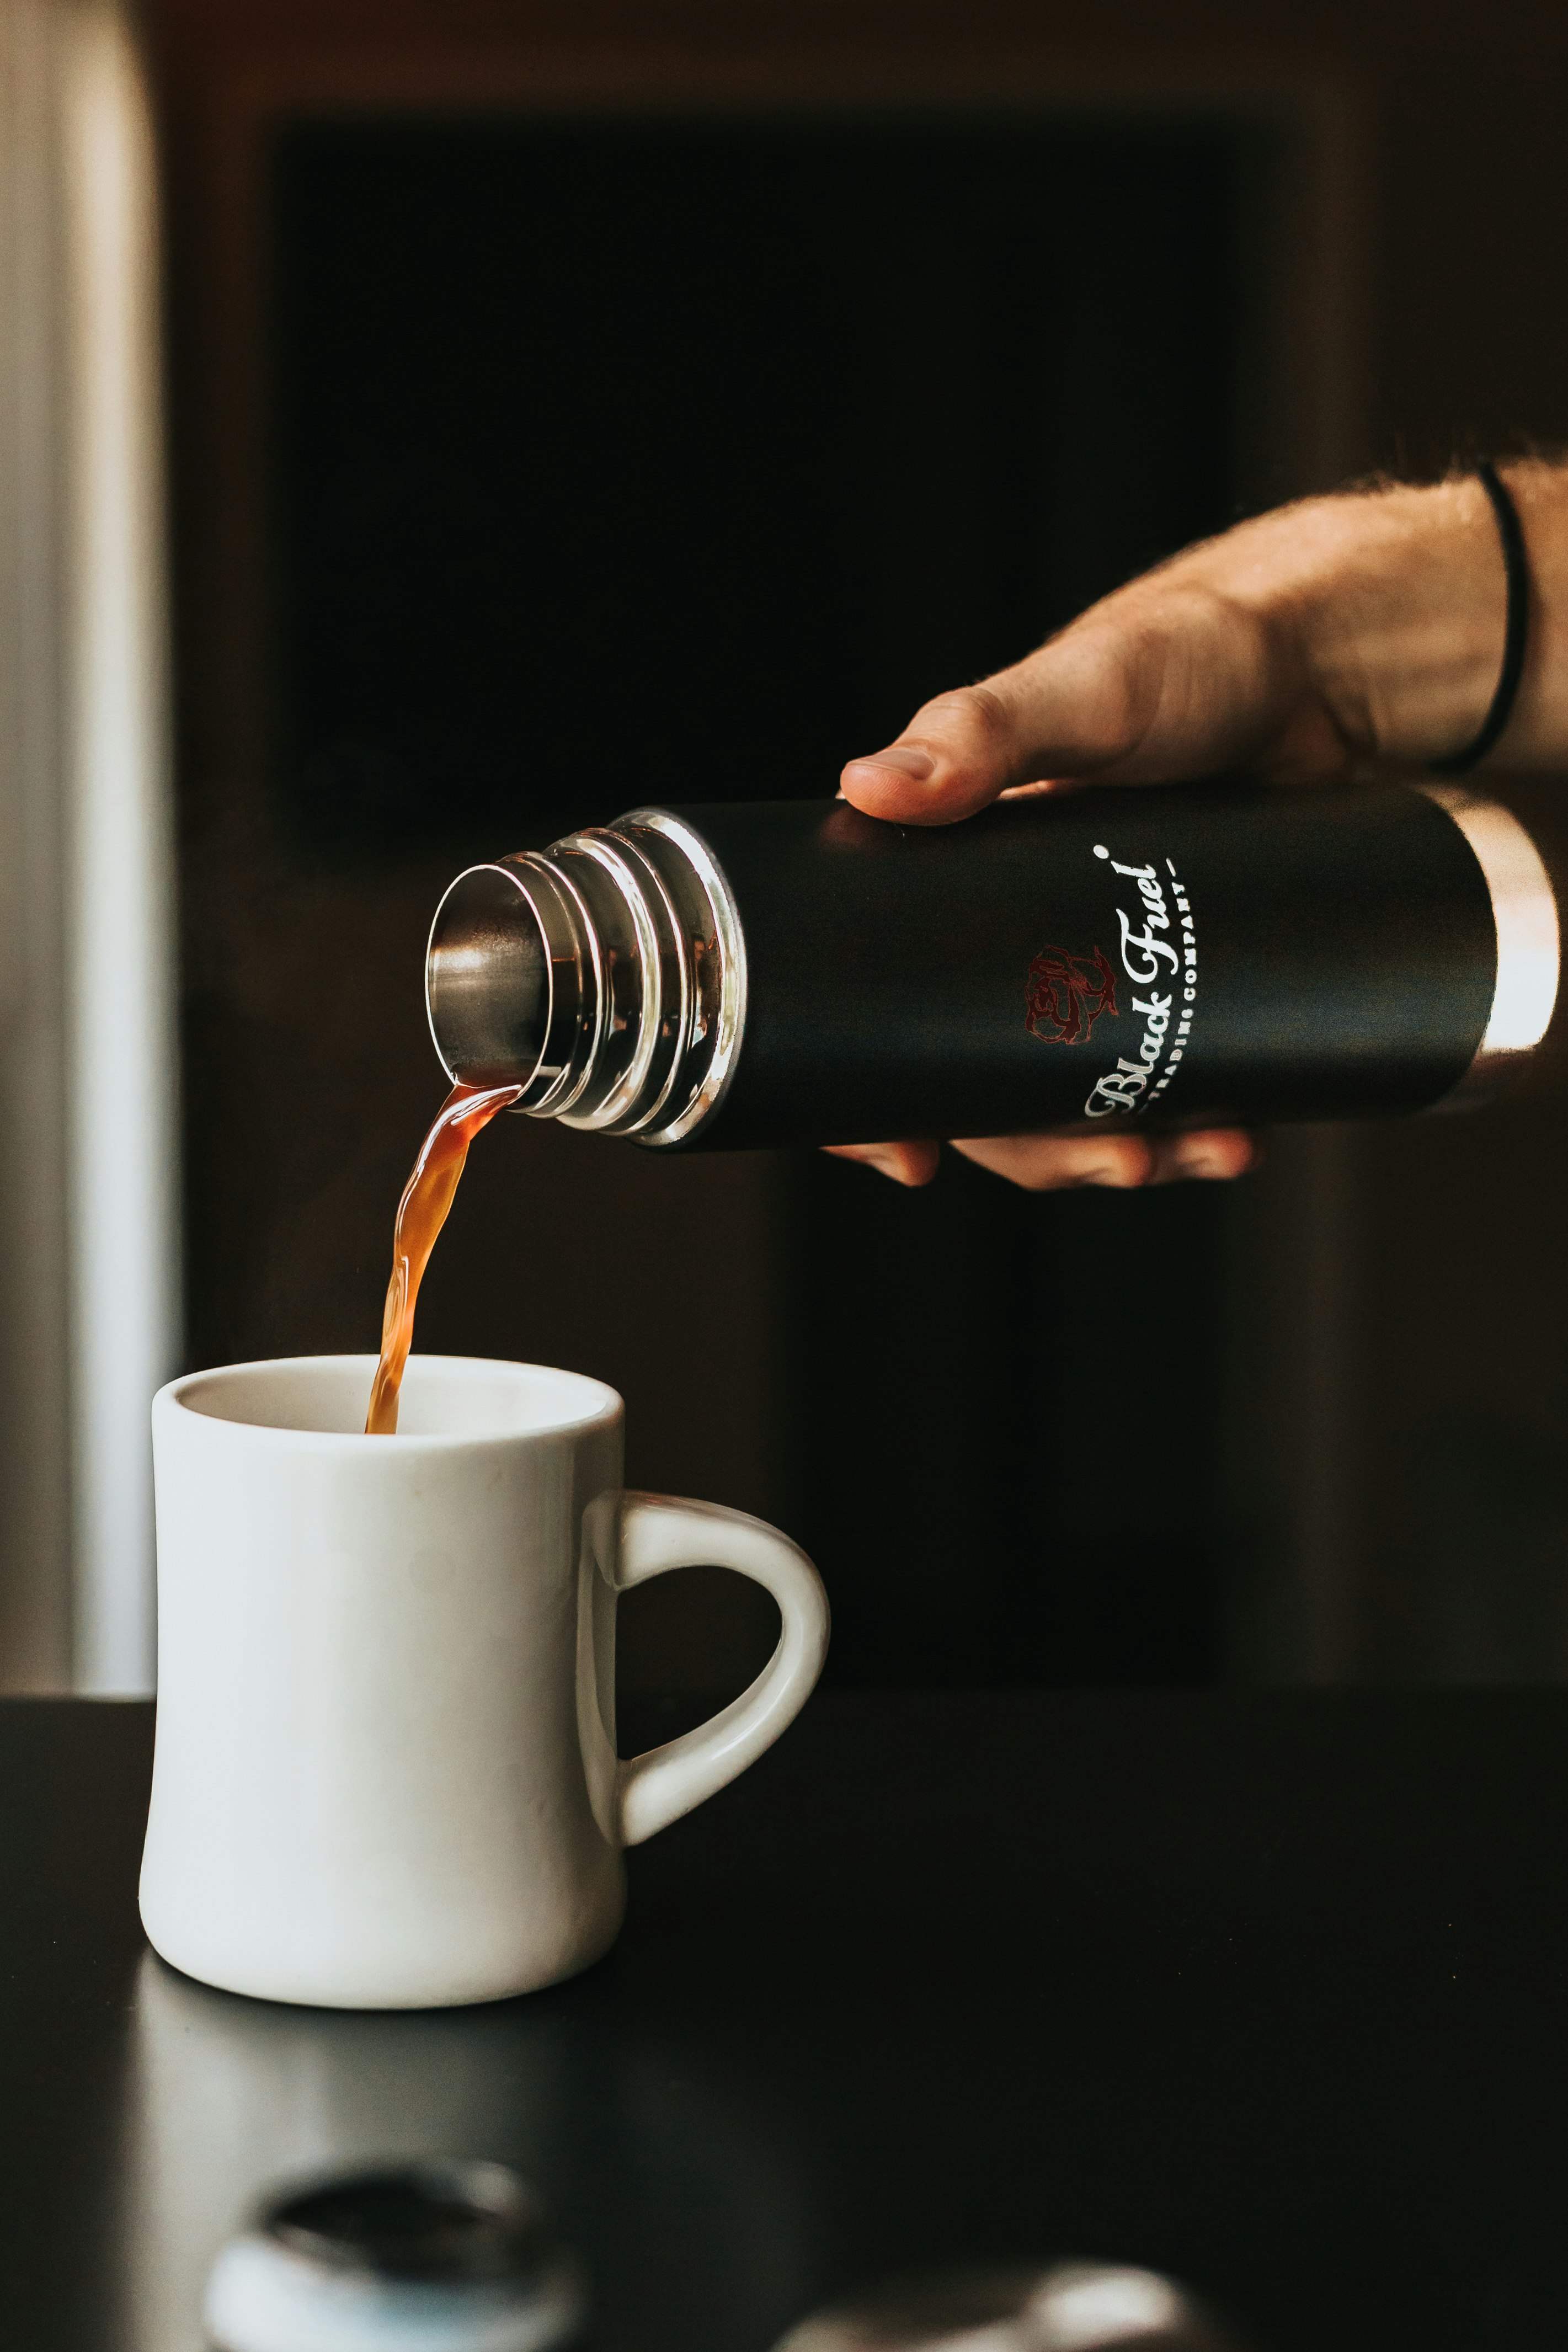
657,1533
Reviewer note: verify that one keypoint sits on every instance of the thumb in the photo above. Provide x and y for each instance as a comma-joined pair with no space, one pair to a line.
956,755
1066,711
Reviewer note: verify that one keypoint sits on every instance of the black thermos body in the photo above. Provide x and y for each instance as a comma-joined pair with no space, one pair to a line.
740,974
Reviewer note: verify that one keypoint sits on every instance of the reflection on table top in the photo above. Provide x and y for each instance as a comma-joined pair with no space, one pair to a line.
1265,1991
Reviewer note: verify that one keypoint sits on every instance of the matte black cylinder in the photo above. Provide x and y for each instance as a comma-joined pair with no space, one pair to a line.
1122,958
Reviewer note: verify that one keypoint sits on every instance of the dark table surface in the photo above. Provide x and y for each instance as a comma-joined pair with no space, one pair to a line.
1267,1990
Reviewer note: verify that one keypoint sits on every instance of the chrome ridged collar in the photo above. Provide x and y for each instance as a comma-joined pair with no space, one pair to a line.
718,998
606,976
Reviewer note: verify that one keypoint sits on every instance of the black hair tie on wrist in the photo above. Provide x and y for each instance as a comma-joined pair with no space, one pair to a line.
1516,565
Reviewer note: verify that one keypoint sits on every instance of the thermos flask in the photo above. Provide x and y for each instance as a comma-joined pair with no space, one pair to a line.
795,972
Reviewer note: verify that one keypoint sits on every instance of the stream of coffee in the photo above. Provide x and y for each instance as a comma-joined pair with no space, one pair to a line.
421,1213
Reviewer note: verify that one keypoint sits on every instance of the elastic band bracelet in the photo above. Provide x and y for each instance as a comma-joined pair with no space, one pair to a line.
1516,565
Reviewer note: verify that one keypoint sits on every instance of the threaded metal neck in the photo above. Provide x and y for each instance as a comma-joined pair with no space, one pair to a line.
605,975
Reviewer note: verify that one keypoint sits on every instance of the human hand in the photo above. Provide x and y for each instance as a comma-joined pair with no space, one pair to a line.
1342,636
1057,1163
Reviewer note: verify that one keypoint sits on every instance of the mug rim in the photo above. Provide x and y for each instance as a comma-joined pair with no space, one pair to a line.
607,1404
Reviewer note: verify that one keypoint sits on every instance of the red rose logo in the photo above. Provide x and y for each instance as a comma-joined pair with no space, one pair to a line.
1066,994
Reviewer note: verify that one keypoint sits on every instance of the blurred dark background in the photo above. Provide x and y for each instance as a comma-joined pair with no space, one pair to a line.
575,410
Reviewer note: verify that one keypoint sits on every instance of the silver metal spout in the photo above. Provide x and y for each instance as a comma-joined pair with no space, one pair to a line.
488,980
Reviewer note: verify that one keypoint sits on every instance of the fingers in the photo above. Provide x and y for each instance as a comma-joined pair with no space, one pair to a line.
905,1163
1051,1163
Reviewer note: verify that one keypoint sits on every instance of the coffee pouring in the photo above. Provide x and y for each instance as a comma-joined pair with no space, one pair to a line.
1126,958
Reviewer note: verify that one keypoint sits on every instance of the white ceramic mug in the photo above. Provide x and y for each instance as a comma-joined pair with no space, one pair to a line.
385,1774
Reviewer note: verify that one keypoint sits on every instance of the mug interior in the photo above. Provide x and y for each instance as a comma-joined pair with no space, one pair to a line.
443,1396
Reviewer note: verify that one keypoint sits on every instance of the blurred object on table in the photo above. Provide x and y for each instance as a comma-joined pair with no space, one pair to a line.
1071,2307
649,2159
440,2256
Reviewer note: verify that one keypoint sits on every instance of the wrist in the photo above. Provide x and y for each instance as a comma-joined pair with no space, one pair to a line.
1403,611
1537,734
1403,619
